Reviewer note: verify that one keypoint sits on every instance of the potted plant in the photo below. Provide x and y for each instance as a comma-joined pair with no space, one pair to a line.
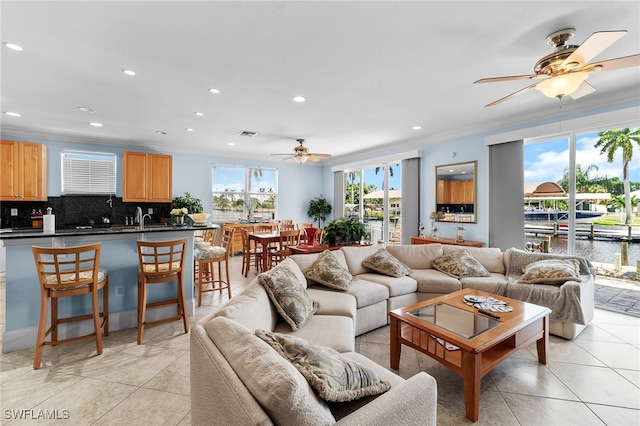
343,231
318,209
187,201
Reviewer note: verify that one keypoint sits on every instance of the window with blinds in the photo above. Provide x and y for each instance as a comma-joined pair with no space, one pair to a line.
88,173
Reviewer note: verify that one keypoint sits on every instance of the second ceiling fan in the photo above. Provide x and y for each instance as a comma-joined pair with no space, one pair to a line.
564,72
301,154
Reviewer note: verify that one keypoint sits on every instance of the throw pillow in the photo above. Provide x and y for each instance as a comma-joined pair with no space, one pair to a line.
327,271
281,390
334,377
288,295
551,271
383,262
459,264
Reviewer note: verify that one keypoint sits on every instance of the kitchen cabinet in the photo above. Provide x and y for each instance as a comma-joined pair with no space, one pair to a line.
455,192
146,177
23,175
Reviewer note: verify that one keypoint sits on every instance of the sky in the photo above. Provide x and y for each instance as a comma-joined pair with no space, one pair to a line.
546,161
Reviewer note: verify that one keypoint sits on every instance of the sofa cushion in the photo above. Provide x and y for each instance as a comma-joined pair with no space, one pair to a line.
328,271
397,286
492,258
335,331
383,262
288,293
434,281
354,256
488,284
279,388
334,377
333,302
417,256
551,271
460,263
365,292
252,308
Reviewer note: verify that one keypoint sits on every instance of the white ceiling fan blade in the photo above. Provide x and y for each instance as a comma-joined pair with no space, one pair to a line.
499,101
509,78
582,90
614,64
592,47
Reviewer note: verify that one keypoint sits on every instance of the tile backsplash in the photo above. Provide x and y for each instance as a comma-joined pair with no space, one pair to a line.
74,211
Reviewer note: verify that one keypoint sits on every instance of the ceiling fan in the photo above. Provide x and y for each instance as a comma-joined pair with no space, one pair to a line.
564,72
301,154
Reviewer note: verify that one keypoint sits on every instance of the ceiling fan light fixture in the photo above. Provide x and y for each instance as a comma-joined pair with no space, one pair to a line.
300,159
562,85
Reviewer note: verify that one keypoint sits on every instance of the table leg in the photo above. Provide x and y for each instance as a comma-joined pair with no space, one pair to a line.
394,336
543,343
265,256
471,379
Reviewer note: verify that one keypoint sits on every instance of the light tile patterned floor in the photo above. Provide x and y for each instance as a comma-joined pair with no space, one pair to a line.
594,379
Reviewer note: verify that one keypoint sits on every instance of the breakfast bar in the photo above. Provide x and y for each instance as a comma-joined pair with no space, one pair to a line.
118,255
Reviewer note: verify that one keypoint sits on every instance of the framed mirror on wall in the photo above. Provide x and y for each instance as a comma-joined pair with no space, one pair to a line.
456,192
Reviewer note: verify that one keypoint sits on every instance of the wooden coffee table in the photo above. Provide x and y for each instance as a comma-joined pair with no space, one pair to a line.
428,327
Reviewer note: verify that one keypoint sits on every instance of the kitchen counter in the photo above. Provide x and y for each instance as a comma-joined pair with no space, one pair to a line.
21,233
119,255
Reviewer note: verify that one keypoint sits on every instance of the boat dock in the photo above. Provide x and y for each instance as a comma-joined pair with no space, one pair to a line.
590,231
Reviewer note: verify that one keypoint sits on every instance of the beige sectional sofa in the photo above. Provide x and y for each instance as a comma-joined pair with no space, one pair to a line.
233,378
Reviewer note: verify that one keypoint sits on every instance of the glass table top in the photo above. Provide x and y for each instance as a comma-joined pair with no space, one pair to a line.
459,321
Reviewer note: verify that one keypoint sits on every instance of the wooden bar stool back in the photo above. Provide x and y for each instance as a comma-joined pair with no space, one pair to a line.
161,262
207,257
64,272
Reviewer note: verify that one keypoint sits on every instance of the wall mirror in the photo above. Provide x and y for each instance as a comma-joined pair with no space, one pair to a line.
456,192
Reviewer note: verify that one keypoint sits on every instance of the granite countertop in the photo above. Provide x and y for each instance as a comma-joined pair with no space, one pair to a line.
115,229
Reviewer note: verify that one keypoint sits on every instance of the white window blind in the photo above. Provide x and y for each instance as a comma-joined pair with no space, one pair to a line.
88,173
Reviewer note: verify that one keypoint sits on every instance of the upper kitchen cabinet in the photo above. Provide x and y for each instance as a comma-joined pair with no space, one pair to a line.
146,177
23,175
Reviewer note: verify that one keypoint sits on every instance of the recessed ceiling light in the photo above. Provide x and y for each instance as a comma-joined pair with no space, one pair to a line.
129,72
416,128
231,144
13,114
95,124
212,90
189,129
200,114
160,132
13,46
299,99
86,109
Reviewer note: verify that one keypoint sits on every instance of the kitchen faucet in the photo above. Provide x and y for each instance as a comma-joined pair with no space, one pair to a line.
140,218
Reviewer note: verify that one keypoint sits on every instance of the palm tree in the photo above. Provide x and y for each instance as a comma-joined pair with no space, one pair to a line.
609,142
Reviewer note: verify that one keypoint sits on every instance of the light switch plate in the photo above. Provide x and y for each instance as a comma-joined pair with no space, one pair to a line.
150,210
14,212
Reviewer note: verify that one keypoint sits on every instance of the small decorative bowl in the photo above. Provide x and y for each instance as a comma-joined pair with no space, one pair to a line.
199,219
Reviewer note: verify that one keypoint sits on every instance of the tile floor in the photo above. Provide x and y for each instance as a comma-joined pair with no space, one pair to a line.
592,380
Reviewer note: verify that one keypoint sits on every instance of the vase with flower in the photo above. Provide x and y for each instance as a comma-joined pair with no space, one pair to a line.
178,215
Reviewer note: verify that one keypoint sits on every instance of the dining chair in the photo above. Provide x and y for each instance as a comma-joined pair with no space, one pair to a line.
286,226
207,258
250,252
287,239
161,262
66,272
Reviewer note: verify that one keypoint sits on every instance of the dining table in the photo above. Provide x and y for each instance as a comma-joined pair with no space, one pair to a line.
265,239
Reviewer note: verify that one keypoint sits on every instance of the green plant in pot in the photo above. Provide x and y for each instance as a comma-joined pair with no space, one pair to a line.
319,209
343,231
188,201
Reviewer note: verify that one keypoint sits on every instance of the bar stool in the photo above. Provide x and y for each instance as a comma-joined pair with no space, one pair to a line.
161,262
65,272
250,252
206,257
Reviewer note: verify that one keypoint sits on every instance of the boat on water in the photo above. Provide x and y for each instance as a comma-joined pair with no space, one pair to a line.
557,215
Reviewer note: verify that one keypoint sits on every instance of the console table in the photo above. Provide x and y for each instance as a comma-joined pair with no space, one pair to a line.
451,241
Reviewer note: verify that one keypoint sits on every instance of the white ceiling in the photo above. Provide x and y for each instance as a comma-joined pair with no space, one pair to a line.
369,70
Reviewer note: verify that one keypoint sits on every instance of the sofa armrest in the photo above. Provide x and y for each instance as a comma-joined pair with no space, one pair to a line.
413,402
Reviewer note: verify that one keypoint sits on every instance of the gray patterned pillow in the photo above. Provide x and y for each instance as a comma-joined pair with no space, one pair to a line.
383,262
551,271
288,295
327,271
460,264
334,377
